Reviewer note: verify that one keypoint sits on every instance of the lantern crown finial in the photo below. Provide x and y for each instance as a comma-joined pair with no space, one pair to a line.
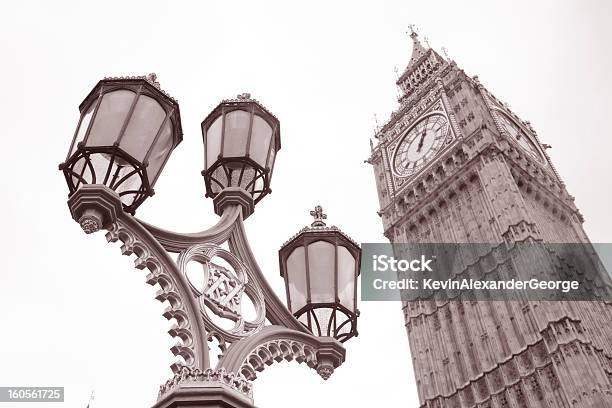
319,216
152,79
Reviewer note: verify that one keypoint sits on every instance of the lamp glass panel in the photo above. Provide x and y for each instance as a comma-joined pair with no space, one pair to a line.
110,117
146,119
296,279
323,316
128,189
321,265
236,133
160,151
303,319
271,163
271,157
83,127
100,163
260,140
245,178
219,180
213,141
258,188
121,176
346,278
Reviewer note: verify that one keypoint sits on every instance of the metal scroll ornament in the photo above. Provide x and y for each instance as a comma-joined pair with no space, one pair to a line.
223,291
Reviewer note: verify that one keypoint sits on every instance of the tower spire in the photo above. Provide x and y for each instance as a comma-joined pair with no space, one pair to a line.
423,56
418,50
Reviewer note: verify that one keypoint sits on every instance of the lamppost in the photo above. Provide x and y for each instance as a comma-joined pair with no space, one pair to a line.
127,131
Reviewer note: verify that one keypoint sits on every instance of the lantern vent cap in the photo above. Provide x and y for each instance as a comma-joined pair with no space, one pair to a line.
150,78
243,100
246,97
132,82
319,226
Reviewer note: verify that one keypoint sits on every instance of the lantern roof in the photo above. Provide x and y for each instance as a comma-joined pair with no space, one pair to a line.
150,83
243,100
319,229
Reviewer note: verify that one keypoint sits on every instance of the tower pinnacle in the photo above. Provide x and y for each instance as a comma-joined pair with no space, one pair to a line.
418,50
413,33
423,62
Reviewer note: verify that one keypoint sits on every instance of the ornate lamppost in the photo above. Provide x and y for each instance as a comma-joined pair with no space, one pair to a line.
126,133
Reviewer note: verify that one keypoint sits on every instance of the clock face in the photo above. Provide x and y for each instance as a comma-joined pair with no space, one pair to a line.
514,131
420,144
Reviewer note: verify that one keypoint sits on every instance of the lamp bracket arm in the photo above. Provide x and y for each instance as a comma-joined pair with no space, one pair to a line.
277,343
174,288
177,242
97,207
276,312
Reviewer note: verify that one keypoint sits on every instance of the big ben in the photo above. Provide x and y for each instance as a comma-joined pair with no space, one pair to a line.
455,165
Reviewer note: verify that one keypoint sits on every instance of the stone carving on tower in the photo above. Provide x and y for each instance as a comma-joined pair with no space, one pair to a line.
454,164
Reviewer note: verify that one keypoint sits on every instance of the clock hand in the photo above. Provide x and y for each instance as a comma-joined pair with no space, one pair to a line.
420,146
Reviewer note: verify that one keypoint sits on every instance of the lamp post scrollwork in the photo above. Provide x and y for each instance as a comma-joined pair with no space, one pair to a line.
126,133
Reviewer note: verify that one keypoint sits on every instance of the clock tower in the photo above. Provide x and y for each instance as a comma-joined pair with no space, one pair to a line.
455,165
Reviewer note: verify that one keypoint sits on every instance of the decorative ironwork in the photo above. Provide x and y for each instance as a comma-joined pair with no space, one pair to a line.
240,172
329,319
90,224
276,351
319,216
188,304
229,277
223,291
274,344
188,375
96,165
152,78
170,290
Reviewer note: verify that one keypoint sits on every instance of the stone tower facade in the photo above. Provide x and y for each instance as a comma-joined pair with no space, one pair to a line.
455,164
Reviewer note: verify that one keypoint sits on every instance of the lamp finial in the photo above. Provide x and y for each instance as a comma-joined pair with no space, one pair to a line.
319,216
152,79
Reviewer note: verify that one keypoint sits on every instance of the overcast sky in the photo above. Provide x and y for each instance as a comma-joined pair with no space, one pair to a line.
75,313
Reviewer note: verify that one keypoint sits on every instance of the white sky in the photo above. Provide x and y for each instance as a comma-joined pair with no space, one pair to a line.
75,313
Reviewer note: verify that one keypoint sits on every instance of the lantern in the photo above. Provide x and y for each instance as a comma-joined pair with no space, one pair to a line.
241,139
126,133
320,266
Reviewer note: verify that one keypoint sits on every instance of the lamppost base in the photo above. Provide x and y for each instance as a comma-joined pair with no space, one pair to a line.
204,394
209,388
